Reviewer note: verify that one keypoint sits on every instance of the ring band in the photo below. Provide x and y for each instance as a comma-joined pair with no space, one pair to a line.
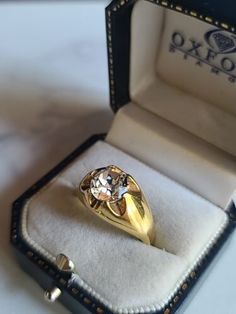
115,196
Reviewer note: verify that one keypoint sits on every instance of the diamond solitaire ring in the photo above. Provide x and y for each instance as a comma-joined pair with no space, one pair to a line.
114,196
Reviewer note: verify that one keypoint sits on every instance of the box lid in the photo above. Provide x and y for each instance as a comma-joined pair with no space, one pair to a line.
166,59
168,64
118,15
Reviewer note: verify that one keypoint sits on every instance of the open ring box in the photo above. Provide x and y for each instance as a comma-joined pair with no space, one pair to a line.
172,77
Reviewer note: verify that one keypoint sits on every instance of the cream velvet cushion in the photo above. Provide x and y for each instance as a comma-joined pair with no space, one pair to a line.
118,269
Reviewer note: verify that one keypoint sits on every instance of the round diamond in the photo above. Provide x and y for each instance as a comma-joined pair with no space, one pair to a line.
108,184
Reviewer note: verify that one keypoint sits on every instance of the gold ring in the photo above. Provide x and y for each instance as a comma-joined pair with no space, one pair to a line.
115,196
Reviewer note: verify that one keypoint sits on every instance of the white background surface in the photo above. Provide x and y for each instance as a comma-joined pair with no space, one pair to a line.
53,95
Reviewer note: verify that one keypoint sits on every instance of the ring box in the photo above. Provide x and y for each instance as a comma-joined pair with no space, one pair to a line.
172,73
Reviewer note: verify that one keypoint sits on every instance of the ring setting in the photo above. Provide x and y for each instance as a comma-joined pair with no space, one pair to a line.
115,197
